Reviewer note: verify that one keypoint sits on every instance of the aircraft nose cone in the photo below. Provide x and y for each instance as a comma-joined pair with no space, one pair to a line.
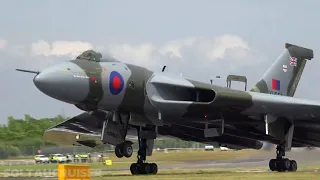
47,83
43,80
61,85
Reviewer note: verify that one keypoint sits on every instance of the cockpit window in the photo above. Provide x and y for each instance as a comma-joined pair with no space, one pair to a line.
91,55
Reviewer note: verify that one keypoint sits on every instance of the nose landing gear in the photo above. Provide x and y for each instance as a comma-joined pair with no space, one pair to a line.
124,149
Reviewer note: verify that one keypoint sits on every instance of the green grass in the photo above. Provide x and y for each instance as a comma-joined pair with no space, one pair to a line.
161,158
176,157
222,175
176,154
215,174
36,167
190,155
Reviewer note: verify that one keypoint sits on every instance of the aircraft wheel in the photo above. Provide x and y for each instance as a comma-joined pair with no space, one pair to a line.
134,169
126,149
153,168
279,165
282,165
144,168
118,150
272,164
293,166
286,164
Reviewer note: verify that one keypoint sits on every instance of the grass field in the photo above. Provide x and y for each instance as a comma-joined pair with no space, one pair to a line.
161,158
190,155
215,174
178,157
222,175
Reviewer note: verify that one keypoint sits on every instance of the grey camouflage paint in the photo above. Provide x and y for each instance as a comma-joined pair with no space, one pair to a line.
135,93
147,93
287,73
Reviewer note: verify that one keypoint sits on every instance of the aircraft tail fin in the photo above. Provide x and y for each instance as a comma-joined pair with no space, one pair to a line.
283,77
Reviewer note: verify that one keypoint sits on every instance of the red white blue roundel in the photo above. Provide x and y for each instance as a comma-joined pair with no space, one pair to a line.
116,83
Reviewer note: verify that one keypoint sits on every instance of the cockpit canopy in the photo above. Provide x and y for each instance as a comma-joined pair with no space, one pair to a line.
92,55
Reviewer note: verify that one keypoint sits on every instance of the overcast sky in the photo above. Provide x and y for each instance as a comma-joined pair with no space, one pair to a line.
201,39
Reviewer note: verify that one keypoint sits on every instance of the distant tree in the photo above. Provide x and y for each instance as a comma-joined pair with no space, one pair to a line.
23,136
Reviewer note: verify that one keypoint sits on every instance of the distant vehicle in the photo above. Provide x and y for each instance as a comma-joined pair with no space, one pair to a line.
208,148
69,158
224,148
41,159
57,158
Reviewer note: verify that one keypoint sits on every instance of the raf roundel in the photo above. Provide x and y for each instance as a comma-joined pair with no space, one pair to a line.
116,83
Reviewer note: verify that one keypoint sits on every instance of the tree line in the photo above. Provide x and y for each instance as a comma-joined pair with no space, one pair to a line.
22,137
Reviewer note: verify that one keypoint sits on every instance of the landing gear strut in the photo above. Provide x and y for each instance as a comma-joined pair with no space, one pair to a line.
281,164
124,149
141,167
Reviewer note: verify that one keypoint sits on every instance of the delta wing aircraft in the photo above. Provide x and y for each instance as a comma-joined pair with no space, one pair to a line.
122,101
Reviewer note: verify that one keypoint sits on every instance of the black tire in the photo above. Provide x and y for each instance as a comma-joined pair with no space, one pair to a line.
134,169
293,166
286,164
272,164
126,149
118,150
153,168
280,166
144,168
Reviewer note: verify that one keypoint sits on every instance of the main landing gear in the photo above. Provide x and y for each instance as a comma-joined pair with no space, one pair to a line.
281,164
141,167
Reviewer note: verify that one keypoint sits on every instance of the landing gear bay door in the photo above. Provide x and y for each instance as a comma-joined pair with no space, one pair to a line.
114,129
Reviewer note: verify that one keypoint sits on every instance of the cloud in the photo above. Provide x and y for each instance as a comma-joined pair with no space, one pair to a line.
227,50
60,48
138,53
230,49
3,43
221,45
213,48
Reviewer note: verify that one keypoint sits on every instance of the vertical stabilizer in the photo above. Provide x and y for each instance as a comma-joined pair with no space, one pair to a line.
283,77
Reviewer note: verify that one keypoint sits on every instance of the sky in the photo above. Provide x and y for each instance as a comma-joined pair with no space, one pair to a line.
200,39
